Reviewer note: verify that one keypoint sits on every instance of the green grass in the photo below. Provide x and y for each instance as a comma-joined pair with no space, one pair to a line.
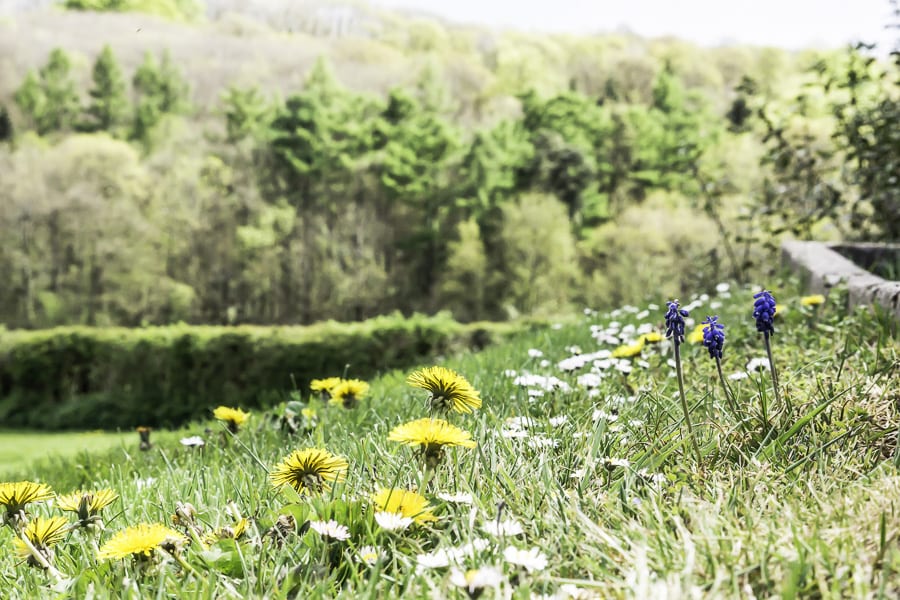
19,448
794,501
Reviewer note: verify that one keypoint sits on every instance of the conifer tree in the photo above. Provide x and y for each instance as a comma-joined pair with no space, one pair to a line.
108,108
50,98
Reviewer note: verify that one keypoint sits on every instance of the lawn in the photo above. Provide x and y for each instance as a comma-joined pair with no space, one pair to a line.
19,448
582,481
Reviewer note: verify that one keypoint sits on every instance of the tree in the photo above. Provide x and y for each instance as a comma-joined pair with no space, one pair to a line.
50,99
159,89
6,126
108,108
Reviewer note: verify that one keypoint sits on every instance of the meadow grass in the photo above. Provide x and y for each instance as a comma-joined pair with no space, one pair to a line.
590,466
20,448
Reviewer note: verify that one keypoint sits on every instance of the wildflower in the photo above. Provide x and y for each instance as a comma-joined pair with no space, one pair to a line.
535,353
675,330
87,505
434,560
42,533
713,336
140,541
460,498
392,521
738,375
324,386
814,300
475,581
233,417
194,441
144,434
757,364
330,529
503,528
432,435
404,502
348,393
675,322
308,470
696,334
369,555
531,560
654,337
14,496
629,350
764,312
448,390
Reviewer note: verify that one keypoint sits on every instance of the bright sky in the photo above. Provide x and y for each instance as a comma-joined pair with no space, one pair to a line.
784,23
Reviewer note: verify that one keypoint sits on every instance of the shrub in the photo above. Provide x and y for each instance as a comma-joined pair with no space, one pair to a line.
80,377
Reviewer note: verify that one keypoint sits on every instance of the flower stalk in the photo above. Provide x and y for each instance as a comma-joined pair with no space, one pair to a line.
675,330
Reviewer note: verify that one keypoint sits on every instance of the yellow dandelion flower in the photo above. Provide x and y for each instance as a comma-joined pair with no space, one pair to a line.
87,505
654,337
309,470
324,386
696,336
15,495
233,417
629,350
349,392
42,533
404,502
814,300
432,435
448,390
140,541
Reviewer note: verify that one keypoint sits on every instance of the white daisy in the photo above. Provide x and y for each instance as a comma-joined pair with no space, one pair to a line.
722,287
737,376
504,527
458,498
369,555
531,560
559,420
330,529
535,353
195,441
433,560
475,580
758,364
391,521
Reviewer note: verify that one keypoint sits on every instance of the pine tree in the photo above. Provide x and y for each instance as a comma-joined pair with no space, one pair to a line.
62,106
159,89
109,104
49,98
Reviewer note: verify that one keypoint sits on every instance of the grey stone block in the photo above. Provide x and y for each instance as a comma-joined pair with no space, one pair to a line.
823,268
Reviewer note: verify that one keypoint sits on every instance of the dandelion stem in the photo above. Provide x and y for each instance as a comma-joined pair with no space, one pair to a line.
772,368
38,557
684,406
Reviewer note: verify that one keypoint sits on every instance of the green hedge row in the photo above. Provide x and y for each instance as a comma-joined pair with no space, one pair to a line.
80,377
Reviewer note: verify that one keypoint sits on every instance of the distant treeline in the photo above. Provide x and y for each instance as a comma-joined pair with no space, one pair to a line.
335,204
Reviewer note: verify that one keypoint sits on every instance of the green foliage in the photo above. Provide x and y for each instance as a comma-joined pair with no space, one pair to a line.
538,251
71,378
49,98
176,10
108,108
463,279
160,89
661,249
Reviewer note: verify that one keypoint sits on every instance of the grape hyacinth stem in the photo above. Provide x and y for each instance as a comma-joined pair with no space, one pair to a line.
684,406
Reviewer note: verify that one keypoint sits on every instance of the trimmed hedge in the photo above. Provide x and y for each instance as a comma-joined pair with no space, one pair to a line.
81,377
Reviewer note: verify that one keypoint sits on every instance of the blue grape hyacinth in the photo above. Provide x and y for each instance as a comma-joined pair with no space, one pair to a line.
764,312
714,336
675,322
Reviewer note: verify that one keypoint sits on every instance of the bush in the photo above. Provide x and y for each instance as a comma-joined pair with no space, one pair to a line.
80,377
